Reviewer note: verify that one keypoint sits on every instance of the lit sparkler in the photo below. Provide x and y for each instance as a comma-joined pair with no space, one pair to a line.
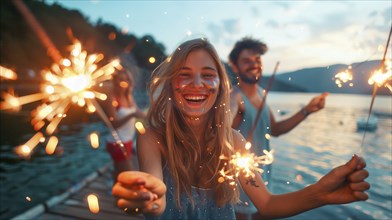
383,76
246,163
72,81
344,77
379,78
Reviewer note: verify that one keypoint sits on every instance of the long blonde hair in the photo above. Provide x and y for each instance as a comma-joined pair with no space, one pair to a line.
181,152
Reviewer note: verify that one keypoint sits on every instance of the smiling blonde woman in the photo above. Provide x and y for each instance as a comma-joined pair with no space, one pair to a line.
189,128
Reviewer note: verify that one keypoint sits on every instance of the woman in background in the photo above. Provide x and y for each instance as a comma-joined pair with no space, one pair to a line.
122,111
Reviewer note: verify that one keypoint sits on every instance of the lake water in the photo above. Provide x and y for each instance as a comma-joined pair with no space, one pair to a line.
326,139
329,138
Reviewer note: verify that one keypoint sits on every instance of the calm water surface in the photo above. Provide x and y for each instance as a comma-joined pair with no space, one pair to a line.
329,138
325,140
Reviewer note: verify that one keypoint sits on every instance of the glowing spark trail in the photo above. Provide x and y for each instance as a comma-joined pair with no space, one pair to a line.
382,76
343,77
6,73
93,203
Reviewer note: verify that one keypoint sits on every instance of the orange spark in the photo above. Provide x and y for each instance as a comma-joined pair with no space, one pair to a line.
93,203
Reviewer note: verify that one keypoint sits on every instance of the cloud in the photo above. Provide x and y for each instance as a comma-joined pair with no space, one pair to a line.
232,25
373,14
387,14
329,23
379,20
255,12
224,31
284,5
215,30
272,24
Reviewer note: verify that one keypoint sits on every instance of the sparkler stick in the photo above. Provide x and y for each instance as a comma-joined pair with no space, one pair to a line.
375,88
106,120
35,25
250,136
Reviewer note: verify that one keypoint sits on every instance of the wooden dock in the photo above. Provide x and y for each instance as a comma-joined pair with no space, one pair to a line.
73,203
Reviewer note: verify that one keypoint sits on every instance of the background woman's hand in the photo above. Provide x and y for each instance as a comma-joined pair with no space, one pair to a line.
345,183
139,192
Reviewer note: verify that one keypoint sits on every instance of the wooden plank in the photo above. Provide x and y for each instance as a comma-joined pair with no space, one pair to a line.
103,205
104,196
82,213
49,216
76,206
99,184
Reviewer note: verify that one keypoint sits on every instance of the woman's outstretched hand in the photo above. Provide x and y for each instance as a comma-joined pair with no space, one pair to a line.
139,192
345,183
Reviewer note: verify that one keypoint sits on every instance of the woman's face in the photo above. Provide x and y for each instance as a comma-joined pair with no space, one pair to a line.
196,85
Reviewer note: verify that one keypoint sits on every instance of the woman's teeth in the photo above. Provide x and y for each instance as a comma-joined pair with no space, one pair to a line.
195,98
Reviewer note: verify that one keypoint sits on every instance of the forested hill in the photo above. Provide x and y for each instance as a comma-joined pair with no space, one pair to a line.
21,49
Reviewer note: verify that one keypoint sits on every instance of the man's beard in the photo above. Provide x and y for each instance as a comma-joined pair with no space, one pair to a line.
249,80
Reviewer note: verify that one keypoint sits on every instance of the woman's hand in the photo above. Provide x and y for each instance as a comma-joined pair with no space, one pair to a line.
140,192
345,183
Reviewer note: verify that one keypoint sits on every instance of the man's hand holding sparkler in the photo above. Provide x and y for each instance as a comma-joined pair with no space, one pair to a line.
316,104
286,125
140,192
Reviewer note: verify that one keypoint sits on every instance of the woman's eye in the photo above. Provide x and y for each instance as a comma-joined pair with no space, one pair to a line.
209,75
184,75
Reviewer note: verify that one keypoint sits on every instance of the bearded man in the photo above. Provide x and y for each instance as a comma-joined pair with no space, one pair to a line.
246,97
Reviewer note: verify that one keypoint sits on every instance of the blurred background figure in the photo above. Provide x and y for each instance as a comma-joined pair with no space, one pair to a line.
122,111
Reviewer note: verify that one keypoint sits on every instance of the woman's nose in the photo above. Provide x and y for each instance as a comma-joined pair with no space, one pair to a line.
197,80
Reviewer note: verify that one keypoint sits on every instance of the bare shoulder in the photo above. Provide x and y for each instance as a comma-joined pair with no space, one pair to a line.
149,141
235,94
149,151
106,87
235,101
238,140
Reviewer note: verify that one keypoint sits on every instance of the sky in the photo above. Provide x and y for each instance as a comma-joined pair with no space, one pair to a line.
299,34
